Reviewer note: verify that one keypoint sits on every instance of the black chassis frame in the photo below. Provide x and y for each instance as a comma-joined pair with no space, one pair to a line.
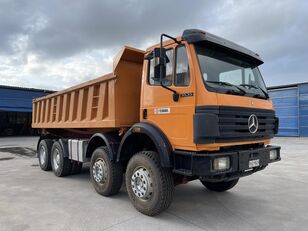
191,164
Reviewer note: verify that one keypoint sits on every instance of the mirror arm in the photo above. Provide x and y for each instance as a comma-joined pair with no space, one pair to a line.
176,95
168,36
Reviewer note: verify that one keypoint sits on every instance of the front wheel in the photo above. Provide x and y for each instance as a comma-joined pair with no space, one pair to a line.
220,186
149,186
106,174
76,167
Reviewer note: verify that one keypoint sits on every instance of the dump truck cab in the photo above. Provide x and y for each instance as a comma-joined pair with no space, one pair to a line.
222,106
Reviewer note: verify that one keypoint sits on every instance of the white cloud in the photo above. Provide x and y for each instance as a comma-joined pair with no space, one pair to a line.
54,45
53,74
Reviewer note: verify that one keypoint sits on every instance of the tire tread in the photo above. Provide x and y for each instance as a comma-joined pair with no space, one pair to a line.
165,177
220,186
116,173
67,164
48,143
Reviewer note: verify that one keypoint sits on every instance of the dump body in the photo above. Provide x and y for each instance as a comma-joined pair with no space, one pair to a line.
110,101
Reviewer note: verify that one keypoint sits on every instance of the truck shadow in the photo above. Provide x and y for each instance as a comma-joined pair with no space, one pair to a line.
20,151
200,207
191,194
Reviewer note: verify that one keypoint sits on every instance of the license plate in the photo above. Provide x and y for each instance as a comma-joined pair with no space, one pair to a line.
254,163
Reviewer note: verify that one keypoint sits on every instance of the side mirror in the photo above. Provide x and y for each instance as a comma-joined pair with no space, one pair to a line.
160,61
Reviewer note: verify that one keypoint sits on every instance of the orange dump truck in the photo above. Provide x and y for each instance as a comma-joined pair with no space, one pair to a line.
192,107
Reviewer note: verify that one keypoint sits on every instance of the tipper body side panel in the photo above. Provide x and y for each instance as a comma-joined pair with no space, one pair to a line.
110,101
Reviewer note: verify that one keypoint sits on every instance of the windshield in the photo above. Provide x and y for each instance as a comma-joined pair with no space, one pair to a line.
230,73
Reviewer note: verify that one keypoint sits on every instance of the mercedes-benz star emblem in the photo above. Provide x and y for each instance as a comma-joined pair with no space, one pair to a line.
253,124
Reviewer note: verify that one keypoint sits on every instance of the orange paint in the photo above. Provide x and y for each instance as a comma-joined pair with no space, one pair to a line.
118,100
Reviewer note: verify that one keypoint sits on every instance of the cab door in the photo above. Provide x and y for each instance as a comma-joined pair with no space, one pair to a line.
174,118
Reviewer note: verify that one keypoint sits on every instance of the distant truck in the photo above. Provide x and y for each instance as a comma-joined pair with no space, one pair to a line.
192,107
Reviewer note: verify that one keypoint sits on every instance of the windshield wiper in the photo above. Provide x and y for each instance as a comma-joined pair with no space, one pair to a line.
243,92
256,87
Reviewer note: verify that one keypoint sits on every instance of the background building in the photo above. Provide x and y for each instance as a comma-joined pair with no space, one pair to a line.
291,104
290,101
16,109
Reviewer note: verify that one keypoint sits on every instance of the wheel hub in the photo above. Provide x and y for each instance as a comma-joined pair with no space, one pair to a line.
141,183
100,171
56,159
42,155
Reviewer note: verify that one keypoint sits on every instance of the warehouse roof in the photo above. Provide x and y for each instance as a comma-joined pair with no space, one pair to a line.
286,86
25,89
19,99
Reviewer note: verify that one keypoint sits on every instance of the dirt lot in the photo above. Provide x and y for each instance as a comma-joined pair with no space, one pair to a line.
30,199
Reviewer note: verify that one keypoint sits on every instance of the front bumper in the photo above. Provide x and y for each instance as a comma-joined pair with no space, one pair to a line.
200,164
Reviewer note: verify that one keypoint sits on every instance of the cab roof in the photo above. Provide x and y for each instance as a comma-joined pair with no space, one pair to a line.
196,35
200,36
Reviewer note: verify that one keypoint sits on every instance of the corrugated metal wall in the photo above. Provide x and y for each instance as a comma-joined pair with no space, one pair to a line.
286,106
291,104
303,109
19,100
16,110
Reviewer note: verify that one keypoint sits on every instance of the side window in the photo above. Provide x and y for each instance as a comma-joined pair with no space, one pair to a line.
169,70
182,77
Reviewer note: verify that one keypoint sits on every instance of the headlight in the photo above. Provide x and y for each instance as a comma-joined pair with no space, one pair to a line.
273,154
222,163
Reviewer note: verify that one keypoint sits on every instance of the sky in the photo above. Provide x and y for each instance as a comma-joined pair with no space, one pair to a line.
57,44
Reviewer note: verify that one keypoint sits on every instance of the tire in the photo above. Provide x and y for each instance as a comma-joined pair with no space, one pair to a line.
151,192
76,167
44,153
61,165
106,175
220,186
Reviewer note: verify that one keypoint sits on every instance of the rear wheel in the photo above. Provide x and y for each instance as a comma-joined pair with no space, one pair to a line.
220,186
61,165
76,167
106,175
149,186
44,152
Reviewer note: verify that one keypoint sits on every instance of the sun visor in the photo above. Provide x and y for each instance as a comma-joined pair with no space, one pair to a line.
196,36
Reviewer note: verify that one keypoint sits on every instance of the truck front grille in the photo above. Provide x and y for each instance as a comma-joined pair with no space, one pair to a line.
232,124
